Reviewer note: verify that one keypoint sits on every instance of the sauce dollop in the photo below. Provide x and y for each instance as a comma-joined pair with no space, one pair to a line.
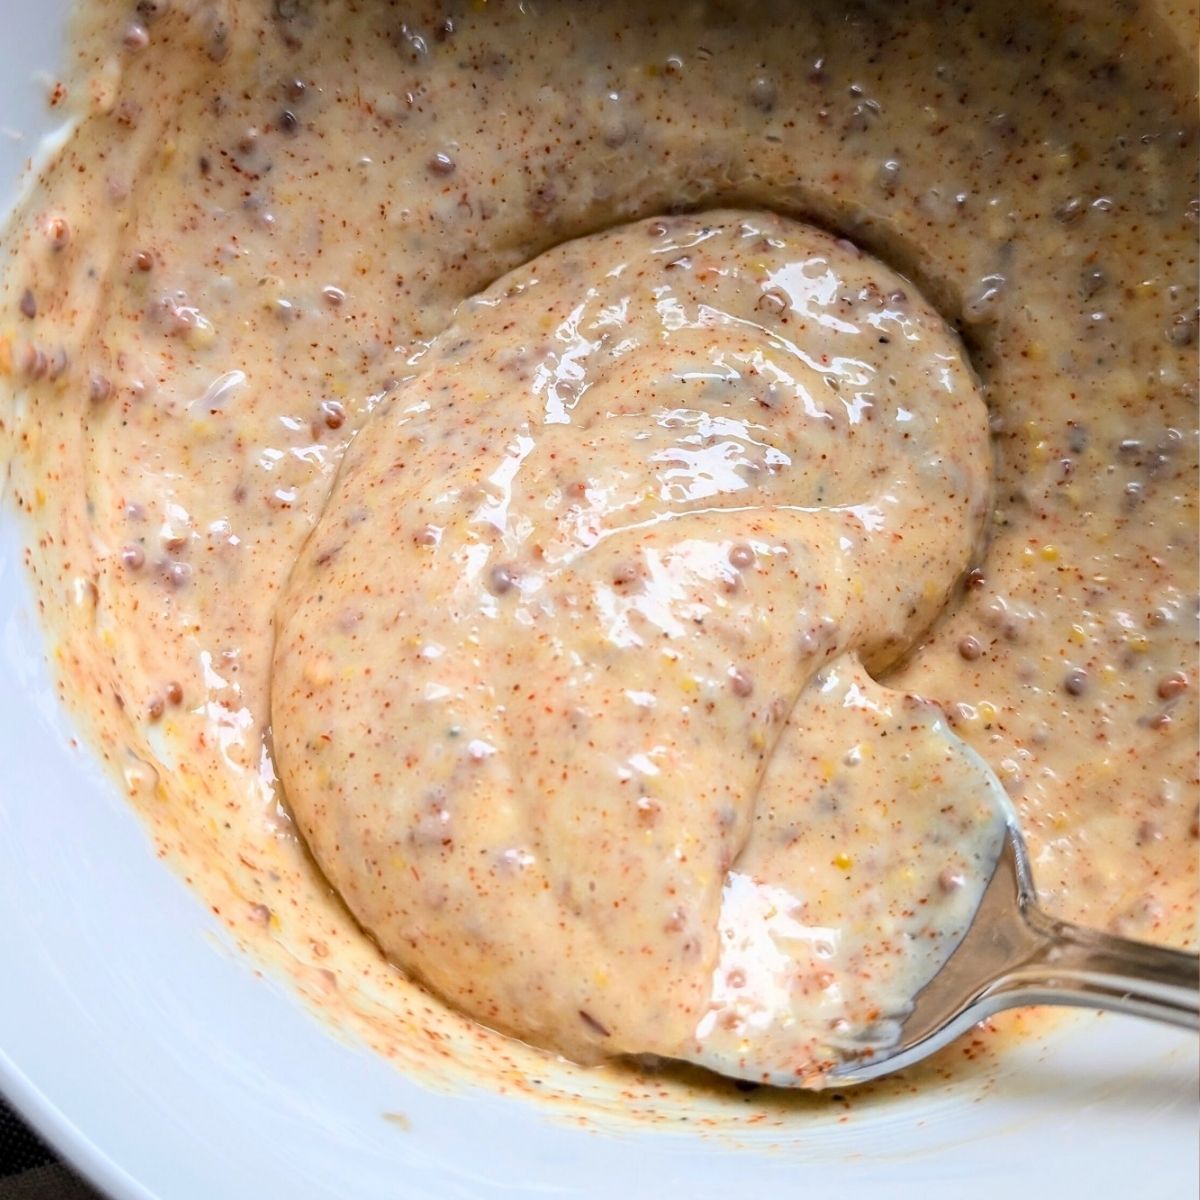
567,696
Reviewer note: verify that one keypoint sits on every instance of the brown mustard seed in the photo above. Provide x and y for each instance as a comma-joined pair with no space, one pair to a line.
1147,832
441,164
173,693
136,38
970,648
333,414
616,133
950,880
773,300
741,682
500,580
1172,685
133,557
1075,682
741,556
28,305
99,389
33,361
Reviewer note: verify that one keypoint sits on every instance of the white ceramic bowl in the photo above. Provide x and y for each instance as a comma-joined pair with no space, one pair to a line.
157,1059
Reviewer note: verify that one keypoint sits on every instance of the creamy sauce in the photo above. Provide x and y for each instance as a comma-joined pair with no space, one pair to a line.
259,241
630,504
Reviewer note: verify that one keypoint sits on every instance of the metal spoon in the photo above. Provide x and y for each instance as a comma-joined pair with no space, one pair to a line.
1012,955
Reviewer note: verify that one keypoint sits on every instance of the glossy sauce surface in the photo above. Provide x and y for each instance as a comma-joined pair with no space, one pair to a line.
542,701
267,212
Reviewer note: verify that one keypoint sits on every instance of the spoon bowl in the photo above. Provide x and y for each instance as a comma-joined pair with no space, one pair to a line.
1014,954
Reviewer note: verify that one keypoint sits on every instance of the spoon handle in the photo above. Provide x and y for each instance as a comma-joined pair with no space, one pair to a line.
1068,964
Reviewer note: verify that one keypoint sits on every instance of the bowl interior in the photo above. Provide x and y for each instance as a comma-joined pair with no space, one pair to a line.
156,1056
